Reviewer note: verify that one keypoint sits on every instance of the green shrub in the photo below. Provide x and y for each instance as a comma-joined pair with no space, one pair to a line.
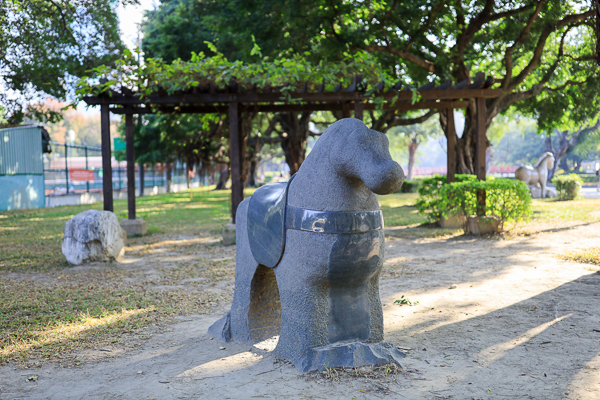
507,199
568,186
429,200
410,186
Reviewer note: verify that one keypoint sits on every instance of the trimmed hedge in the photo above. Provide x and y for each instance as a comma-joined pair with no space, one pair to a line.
410,186
430,200
568,186
507,199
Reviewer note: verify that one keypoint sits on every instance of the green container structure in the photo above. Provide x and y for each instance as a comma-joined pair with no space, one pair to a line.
22,168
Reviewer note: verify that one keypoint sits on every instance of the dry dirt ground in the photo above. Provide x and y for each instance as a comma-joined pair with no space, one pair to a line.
521,323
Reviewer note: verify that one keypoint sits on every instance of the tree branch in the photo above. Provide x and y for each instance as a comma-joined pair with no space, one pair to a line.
425,27
539,49
568,83
426,65
508,61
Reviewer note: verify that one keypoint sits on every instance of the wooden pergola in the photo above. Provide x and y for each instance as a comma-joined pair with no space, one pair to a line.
234,100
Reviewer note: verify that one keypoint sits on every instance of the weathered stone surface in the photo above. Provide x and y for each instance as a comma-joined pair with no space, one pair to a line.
536,192
322,298
134,227
349,355
483,225
453,221
93,236
229,234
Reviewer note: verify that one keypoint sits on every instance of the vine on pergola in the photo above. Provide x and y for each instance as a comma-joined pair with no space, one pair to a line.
286,75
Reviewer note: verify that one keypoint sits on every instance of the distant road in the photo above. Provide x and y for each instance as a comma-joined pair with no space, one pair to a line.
590,192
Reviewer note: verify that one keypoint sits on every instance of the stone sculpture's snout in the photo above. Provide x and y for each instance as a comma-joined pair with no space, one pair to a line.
388,180
377,170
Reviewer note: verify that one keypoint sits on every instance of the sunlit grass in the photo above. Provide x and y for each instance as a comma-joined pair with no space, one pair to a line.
31,239
40,320
399,209
577,210
588,256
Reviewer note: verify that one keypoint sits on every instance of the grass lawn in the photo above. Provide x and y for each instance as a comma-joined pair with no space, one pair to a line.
51,311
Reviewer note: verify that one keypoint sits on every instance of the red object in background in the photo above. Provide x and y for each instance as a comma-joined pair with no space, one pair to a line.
81,175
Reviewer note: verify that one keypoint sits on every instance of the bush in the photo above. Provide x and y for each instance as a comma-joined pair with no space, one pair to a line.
430,200
567,186
410,186
507,199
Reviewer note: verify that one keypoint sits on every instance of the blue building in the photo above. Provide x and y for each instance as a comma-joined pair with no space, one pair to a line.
22,167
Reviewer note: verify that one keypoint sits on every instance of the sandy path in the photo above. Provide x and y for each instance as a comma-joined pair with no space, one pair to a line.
520,324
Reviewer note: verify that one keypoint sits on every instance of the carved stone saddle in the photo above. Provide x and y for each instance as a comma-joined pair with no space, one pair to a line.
269,216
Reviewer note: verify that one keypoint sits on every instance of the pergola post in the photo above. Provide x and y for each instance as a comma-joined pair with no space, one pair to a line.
107,189
451,140
237,193
480,148
345,110
130,165
358,110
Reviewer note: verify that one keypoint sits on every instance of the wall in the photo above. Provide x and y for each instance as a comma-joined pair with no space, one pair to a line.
21,168
21,191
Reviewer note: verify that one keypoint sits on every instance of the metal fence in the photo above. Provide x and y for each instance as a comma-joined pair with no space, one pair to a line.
73,169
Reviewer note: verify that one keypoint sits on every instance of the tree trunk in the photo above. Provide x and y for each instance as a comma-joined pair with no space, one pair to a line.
412,150
169,173
294,137
187,173
577,164
465,145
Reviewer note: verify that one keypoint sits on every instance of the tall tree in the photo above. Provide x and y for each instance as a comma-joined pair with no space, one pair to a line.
46,44
565,142
531,47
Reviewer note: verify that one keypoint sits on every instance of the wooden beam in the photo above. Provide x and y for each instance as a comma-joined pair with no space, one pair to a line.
107,189
480,149
253,97
451,153
237,193
130,165
400,106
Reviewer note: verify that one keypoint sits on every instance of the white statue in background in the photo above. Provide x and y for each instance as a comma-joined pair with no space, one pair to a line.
537,175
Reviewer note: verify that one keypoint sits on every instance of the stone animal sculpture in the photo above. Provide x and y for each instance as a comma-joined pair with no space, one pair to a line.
537,175
309,255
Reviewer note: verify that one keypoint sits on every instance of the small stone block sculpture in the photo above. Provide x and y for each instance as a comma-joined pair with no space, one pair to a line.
309,255
93,236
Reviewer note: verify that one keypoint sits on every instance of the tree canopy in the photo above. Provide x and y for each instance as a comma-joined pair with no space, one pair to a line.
540,52
46,45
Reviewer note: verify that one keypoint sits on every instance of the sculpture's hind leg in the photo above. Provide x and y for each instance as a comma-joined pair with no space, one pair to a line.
234,325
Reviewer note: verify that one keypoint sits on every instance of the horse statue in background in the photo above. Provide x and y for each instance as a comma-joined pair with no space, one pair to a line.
537,175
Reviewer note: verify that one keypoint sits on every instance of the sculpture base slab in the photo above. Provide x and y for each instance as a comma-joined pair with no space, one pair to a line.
134,227
229,234
536,193
453,222
482,225
349,355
